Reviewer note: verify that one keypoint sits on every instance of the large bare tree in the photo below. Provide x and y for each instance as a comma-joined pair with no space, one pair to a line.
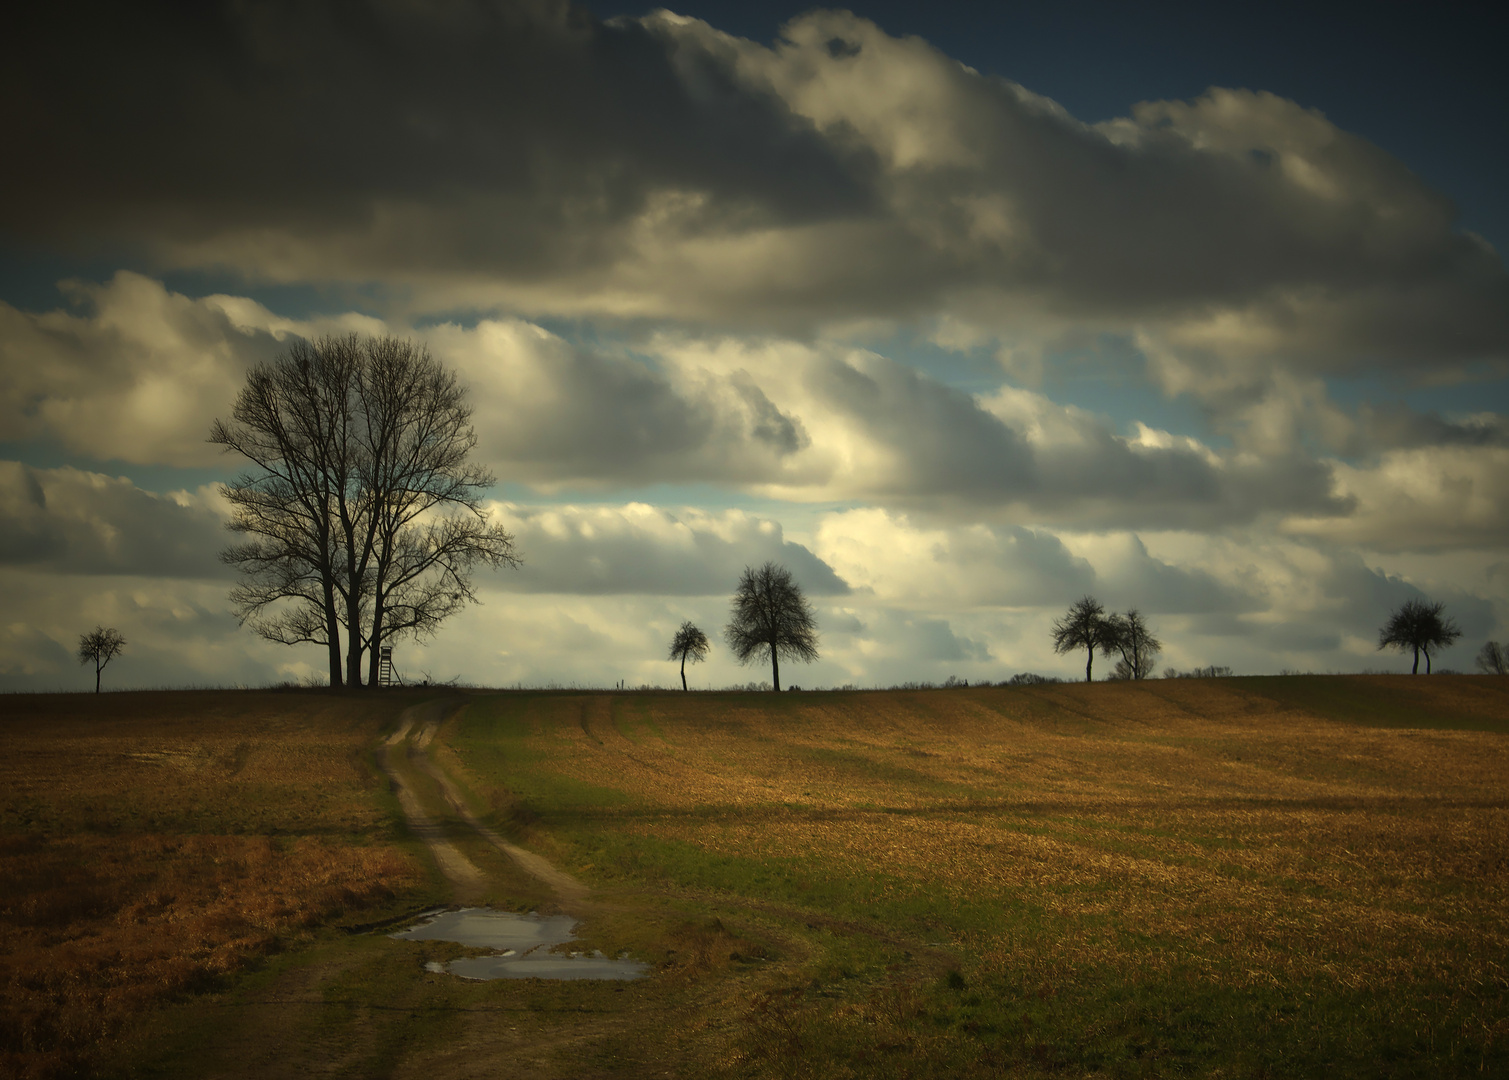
771,617
293,422
362,511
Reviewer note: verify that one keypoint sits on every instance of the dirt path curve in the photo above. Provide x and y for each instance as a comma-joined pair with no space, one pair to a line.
462,873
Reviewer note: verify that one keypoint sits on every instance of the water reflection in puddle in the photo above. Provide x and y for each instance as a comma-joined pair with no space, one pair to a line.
523,944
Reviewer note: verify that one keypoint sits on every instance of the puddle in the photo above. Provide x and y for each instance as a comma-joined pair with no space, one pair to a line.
522,944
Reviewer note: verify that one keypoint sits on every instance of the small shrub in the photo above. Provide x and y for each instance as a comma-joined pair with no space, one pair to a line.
1213,671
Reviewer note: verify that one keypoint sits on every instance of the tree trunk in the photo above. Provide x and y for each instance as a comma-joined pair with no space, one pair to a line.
1427,661
775,667
333,632
1089,659
1416,669
683,671
353,641
97,676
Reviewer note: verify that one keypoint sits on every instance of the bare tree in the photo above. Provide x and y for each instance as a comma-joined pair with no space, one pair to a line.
292,420
771,617
426,527
1421,626
362,512
1493,659
1139,649
1085,626
100,645
689,643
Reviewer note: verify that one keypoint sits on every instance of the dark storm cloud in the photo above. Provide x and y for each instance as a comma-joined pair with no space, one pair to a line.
547,129
524,154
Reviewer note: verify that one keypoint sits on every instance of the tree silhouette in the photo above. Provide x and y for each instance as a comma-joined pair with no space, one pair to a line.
689,643
1493,659
1418,625
1132,638
771,616
1085,626
362,513
100,645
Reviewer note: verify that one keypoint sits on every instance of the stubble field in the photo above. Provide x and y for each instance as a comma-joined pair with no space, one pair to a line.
1235,877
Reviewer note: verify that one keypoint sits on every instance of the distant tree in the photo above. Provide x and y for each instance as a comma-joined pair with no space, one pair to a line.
1493,659
1210,671
771,617
1031,678
100,645
1421,626
1132,637
691,644
1085,626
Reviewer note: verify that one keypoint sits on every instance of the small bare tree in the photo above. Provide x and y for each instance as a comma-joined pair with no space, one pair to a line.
1134,640
1085,626
1419,625
771,617
691,644
100,645
1493,659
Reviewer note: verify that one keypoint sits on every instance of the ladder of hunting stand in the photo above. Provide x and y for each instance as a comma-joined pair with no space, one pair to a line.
385,666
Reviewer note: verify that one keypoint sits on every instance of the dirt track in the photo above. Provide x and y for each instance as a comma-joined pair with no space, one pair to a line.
416,730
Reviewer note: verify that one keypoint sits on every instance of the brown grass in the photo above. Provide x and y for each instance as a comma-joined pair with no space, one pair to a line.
152,843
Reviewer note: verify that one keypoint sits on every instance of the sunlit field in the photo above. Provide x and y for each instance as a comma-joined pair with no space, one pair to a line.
1296,876
1189,876
152,845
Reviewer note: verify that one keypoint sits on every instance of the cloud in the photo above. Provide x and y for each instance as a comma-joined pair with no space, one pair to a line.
135,372
135,375
879,430
550,413
1422,499
601,550
901,563
139,374
1127,576
527,156
85,523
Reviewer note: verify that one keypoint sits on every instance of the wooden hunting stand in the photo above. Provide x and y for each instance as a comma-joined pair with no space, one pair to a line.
385,666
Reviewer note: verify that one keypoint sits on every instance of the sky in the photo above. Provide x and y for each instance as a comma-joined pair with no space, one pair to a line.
958,311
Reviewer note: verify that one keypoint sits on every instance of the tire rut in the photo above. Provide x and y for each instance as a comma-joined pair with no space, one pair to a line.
417,728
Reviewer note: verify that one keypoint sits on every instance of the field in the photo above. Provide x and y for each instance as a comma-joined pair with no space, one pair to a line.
153,845
1295,876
